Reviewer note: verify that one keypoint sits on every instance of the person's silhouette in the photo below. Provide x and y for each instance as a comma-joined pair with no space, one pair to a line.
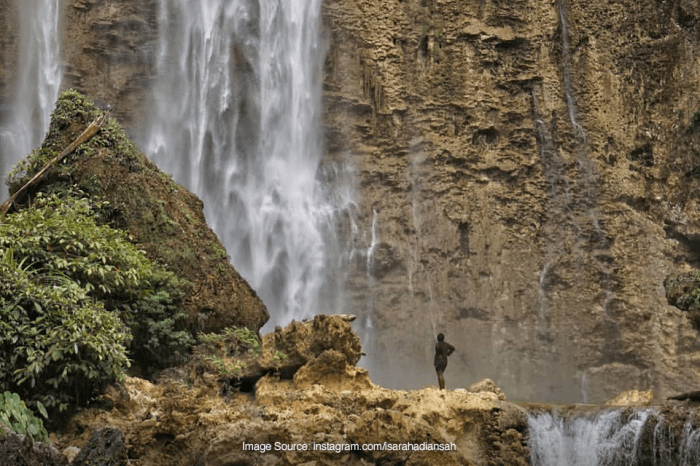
442,350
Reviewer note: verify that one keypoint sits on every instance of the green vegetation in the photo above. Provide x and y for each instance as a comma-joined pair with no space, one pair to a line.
81,299
684,290
239,340
225,367
222,353
74,297
72,114
20,419
278,356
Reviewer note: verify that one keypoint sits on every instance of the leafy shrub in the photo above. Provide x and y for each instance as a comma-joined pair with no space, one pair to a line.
54,339
222,352
15,415
73,295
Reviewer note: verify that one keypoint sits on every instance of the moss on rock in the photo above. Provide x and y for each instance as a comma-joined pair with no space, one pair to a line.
164,218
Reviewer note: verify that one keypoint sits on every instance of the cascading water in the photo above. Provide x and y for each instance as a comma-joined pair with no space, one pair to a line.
35,84
606,439
236,110
615,437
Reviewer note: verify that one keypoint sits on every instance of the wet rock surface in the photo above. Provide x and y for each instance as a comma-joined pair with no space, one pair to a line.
529,167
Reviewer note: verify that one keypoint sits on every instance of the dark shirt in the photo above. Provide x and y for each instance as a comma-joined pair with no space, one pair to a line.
442,350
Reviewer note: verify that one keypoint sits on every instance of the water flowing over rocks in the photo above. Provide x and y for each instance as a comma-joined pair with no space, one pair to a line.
591,436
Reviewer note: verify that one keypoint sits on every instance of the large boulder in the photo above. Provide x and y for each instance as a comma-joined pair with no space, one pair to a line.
164,218
104,448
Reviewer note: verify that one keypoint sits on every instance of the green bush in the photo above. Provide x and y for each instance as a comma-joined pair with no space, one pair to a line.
74,295
20,419
54,339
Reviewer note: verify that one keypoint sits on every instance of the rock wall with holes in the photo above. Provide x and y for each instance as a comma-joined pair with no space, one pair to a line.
531,172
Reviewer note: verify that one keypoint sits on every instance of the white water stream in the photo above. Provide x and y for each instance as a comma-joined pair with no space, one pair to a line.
614,437
236,120
606,439
34,82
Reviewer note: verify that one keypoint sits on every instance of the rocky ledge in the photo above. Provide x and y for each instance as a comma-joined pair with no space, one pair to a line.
328,412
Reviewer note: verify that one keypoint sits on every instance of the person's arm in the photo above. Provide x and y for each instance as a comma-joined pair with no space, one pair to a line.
450,349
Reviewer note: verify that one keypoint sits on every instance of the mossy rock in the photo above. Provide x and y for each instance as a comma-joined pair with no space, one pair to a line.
164,218
683,291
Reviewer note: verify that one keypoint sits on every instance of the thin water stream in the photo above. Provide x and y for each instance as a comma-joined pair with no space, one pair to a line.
35,82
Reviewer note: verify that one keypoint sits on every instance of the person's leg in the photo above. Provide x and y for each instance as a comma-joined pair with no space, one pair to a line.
441,380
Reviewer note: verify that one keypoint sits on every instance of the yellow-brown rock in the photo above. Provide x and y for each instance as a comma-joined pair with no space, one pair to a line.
530,168
337,420
632,398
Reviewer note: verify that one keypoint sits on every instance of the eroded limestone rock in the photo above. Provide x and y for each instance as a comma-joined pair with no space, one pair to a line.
329,413
487,386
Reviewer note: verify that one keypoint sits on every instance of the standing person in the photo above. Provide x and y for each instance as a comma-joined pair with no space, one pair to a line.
442,350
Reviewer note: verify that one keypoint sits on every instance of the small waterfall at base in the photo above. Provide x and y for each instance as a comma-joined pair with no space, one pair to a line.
614,437
235,119
35,84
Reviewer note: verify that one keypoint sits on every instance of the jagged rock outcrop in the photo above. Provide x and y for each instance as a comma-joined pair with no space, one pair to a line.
487,386
105,447
632,398
329,413
239,360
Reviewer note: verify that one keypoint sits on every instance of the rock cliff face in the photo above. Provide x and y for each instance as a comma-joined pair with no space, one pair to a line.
9,44
531,173
530,169
109,49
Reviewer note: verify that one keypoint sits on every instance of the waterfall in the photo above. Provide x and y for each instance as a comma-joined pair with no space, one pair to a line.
236,120
606,439
614,437
35,83
566,55
369,326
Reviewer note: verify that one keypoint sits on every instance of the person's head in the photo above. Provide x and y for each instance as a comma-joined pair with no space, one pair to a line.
441,337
